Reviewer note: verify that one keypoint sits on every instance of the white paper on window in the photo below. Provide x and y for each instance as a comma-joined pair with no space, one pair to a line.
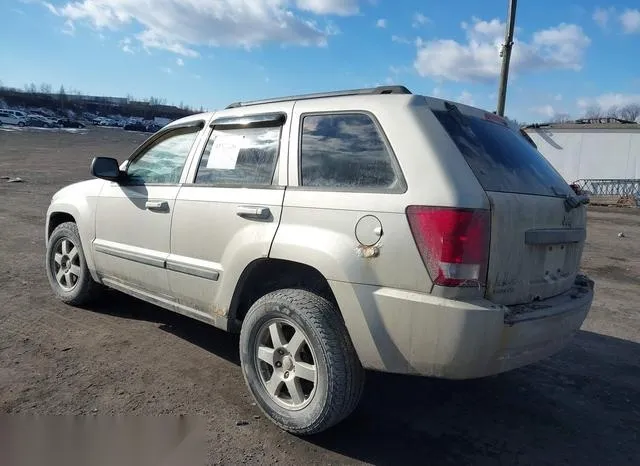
224,152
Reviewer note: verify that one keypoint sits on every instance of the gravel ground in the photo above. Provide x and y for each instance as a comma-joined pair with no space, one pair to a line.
126,357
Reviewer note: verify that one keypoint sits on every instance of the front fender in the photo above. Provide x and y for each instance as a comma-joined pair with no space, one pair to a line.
79,201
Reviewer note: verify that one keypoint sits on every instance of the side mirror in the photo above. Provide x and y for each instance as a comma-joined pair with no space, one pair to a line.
106,168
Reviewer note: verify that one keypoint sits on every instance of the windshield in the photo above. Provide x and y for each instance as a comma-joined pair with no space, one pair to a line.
501,159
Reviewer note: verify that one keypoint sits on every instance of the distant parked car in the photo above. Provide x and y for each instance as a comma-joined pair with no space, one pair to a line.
107,122
17,113
153,127
68,123
10,118
135,126
35,122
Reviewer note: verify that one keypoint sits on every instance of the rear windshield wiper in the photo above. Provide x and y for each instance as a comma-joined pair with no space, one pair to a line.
455,113
573,202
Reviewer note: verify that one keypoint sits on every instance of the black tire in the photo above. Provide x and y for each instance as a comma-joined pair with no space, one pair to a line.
339,379
20,124
84,288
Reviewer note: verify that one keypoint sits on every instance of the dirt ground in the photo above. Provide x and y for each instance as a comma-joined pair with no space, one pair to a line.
125,357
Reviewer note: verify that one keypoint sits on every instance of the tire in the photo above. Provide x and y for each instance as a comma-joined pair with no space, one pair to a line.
64,251
21,124
335,386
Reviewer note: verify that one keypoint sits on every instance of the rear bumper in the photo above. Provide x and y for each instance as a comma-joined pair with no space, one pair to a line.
413,333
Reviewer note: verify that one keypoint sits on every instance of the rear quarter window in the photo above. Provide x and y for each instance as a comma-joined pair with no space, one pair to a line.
501,159
345,151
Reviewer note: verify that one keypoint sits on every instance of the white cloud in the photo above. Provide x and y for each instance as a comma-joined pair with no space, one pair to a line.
400,40
478,59
465,98
50,7
420,20
125,45
179,26
167,70
545,110
381,23
550,113
69,28
179,62
601,16
630,20
437,91
557,97
323,7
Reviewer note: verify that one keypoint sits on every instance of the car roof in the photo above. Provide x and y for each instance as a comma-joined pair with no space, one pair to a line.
379,90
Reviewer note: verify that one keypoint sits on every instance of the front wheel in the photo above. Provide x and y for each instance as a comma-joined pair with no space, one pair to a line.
66,266
298,361
21,124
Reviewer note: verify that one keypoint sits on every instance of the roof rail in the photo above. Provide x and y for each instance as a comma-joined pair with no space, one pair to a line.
319,95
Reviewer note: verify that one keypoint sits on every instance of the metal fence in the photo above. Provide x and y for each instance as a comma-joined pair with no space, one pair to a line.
624,190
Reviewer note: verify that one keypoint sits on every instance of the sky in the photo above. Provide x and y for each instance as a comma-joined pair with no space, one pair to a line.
567,57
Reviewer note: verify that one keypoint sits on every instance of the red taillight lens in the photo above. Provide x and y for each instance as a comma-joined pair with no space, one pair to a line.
453,243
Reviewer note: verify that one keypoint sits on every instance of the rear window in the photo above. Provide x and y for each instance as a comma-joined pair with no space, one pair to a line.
501,159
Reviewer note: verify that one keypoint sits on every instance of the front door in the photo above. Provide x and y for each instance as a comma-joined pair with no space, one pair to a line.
133,218
227,215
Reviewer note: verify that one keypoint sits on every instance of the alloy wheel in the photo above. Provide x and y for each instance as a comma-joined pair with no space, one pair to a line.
286,364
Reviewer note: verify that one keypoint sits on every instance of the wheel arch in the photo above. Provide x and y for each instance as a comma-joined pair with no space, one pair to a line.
265,275
57,218
61,212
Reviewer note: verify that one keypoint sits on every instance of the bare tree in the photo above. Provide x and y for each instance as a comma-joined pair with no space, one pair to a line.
62,96
613,112
31,88
630,112
561,118
45,88
593,112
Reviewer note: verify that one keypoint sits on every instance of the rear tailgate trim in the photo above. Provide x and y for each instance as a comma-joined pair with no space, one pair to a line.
555,236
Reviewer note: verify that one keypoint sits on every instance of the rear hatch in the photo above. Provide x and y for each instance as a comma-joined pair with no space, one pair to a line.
537,236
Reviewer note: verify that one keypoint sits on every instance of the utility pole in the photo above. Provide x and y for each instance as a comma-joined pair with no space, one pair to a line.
505,53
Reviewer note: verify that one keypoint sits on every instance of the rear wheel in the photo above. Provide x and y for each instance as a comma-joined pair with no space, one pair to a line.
298,361
21,124
66,266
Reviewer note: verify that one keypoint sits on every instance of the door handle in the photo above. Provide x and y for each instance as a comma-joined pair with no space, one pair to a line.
159,206
253,212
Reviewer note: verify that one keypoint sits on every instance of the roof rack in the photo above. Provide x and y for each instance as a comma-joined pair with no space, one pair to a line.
319,95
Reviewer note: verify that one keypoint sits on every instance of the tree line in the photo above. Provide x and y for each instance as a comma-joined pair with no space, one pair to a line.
43,96
629,112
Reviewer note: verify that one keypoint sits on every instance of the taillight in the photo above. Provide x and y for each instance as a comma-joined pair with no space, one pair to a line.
453,243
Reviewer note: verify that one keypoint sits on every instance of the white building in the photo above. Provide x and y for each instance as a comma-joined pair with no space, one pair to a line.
581,151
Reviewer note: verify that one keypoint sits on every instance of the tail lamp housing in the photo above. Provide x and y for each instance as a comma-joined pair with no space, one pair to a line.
453,243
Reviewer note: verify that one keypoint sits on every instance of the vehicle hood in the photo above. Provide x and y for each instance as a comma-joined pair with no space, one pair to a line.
88,188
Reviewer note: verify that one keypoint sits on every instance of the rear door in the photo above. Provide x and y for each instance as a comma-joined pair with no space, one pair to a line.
536,240
227,214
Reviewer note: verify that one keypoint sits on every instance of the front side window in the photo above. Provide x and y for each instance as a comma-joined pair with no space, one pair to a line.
344,151
236,157
162,163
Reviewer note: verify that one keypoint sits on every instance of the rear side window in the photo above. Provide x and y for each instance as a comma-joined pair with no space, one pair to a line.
344,151
245,156
501,159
